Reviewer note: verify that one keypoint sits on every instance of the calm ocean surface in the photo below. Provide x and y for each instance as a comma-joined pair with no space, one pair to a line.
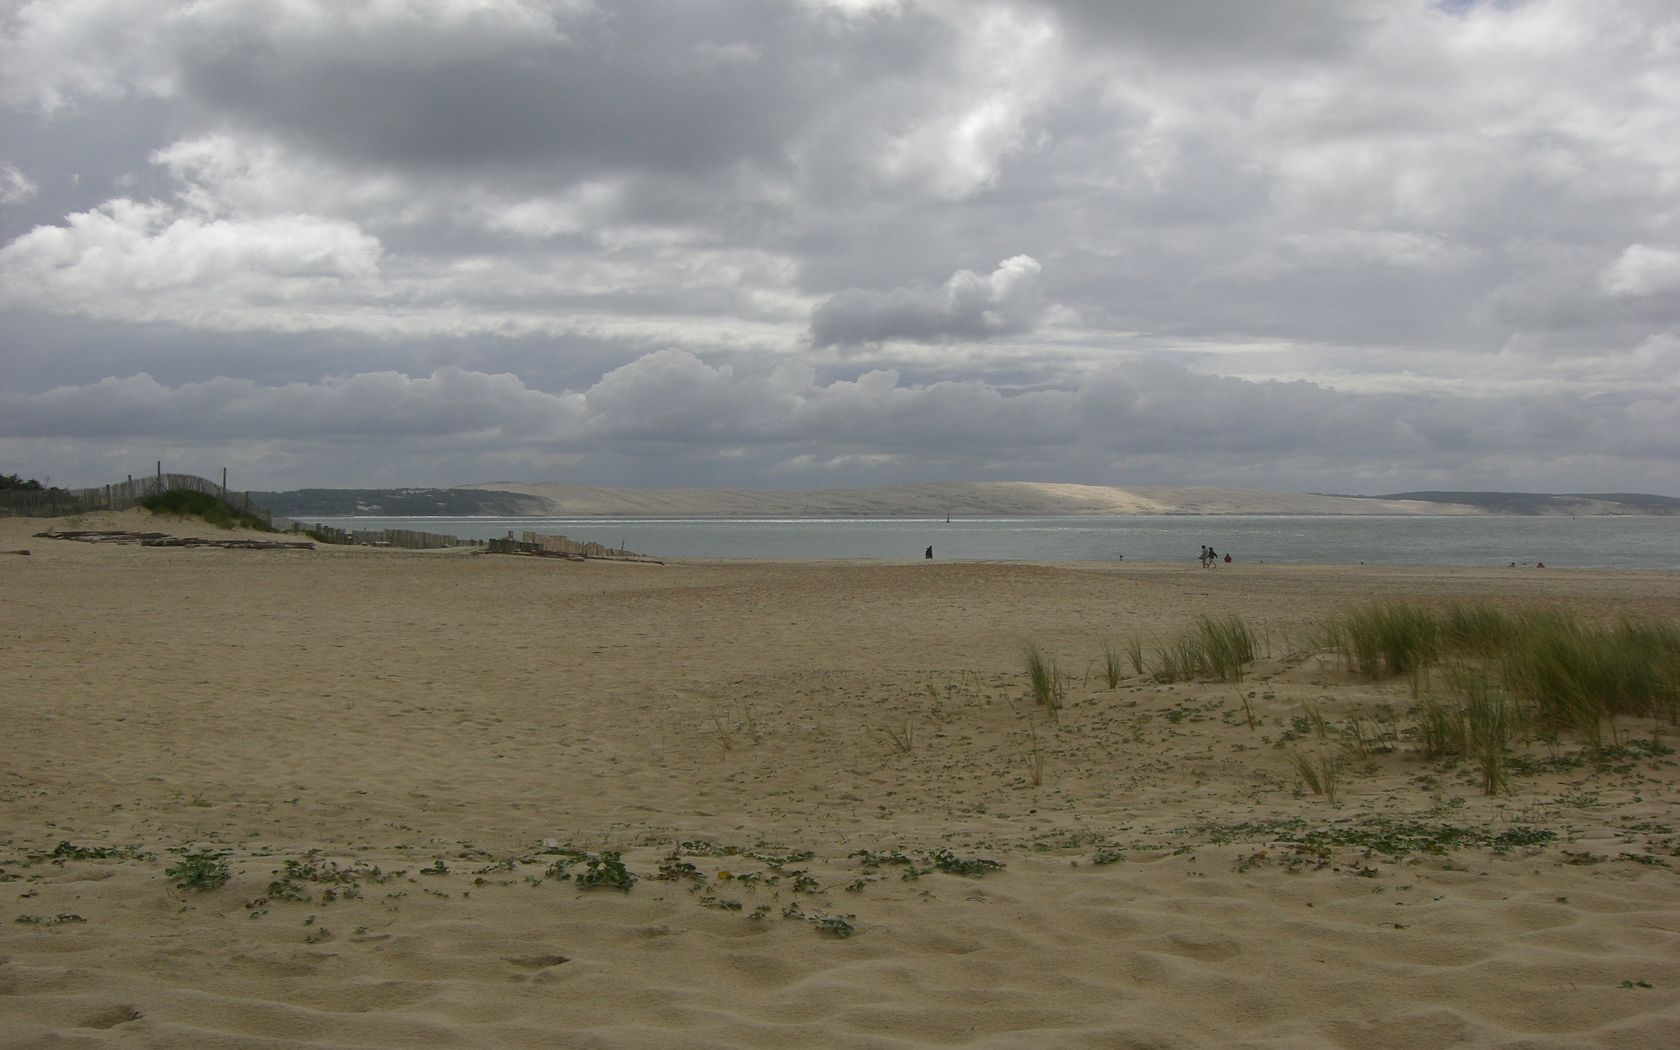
1619,542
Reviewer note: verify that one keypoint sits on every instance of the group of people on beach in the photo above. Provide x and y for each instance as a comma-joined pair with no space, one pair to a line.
1210,557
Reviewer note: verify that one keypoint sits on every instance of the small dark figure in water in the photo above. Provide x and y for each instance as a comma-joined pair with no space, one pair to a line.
929,554
1227,557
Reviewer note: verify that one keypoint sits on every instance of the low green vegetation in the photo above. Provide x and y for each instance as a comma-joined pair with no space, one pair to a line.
201,870
1112,672
1322,772
1048,683
1490,683
1512,677
186,504
1387,639
1215,647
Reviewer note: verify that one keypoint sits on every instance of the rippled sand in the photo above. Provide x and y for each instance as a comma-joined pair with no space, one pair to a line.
439,744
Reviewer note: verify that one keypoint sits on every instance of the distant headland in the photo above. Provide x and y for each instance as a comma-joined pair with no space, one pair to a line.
934,499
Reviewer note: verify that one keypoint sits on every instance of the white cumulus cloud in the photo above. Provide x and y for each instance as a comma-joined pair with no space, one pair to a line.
968,306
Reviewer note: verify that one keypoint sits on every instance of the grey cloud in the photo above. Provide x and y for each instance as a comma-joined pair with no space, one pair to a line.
573,88
724,235
672,403
1282,30
15,186
387,404
1642,270
968,306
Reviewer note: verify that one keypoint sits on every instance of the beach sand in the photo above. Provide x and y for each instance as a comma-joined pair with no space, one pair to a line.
423,736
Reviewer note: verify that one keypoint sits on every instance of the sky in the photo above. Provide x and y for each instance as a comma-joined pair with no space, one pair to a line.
1356,246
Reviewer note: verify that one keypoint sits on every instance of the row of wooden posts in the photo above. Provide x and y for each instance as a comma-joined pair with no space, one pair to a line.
121,495
528,542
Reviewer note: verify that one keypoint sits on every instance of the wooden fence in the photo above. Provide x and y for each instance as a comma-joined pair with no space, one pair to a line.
408,539
561,545
528,543
121,495
52,503
557,547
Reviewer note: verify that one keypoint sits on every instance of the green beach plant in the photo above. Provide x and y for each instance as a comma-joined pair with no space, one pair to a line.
902,738
1489,723
1134,652
1440,729
1378,641
1215,647
1322,773
187,504
1229,644
201,870
1111,666
1178,660
1476,628
1048,683
1032,751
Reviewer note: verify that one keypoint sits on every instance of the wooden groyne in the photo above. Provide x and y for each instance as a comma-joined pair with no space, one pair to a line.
528,543
407,539
533,543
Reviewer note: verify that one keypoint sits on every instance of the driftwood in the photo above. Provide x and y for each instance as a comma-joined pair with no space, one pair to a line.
160,539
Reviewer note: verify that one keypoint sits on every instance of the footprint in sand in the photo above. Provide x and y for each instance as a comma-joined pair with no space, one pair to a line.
111,1016
538,962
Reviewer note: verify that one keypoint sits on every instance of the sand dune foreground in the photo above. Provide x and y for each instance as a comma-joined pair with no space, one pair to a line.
428,775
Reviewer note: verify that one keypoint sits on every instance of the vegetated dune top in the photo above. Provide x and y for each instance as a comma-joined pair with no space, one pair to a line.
970,498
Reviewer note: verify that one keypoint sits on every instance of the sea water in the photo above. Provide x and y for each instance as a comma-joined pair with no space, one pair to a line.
1584,542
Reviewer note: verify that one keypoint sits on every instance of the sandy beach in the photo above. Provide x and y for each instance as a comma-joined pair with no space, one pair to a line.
840,816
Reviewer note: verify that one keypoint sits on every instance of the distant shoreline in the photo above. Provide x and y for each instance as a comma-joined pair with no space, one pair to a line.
996,499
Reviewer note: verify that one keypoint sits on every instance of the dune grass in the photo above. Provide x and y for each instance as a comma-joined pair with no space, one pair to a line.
187,504
1048,683
1511,674
1322,773
1134,653
1112,672
1215,647
1379,641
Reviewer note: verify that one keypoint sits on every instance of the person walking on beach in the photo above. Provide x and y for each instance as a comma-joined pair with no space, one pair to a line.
929,554
1203,557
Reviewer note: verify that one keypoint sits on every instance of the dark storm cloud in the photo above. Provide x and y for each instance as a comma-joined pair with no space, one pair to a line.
642,85
673,400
